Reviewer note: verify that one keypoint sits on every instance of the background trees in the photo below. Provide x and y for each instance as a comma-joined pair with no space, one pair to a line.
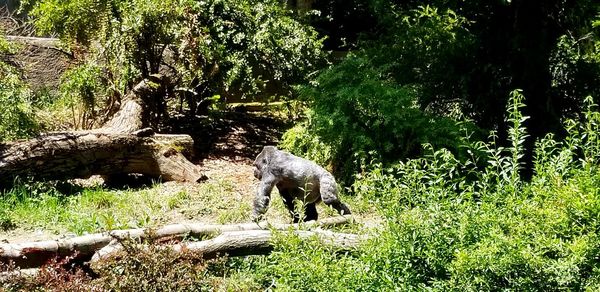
450,59
461,59
209,49
16,113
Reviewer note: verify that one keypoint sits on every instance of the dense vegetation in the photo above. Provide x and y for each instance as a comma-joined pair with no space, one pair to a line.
422,62
211,50
470,127
16,113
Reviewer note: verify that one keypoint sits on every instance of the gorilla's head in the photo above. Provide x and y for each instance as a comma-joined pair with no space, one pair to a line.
262,161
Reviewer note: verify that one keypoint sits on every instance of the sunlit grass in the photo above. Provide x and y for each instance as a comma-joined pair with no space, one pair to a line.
95,209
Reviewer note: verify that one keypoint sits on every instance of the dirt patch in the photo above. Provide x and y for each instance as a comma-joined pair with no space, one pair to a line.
239,172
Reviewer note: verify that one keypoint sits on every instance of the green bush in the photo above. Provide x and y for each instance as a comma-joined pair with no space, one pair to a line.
80,92
16,112
305,265
366,117
300,140
380,103
453,225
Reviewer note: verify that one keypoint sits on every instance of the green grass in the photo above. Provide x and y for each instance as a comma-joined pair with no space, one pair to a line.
41,206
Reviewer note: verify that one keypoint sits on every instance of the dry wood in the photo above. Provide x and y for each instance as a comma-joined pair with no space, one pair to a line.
254,242
52,43
35,254
133,114
242,243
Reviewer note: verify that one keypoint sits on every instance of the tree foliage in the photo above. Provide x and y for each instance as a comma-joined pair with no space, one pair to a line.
456,59
471,224
375,107
16,112
217,47
502,45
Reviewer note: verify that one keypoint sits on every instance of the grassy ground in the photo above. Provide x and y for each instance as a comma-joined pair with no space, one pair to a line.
28,215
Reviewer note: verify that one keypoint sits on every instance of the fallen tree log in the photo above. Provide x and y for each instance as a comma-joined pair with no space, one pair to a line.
35,254
243,243
255,242
80,155
123,145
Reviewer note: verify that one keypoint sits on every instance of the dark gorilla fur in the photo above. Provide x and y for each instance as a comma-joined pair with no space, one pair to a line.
295,178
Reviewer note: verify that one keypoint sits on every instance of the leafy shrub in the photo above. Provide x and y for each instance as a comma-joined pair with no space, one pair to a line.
16,112
79,89
367,117
456,225
574,66
300,140
426,47
305,265
152,267
381,102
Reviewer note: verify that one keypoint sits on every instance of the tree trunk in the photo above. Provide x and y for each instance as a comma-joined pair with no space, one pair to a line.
120,147
35,254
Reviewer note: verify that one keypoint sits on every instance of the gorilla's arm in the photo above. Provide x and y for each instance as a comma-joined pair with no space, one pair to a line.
263,196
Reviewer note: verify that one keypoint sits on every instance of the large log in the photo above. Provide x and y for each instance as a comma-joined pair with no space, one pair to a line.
35,254
140,108
82,154
121,146
256,242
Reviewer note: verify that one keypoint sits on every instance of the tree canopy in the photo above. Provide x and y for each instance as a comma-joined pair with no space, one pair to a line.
208,48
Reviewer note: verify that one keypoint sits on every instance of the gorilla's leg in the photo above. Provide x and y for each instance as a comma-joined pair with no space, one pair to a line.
328,190
310,212
288,201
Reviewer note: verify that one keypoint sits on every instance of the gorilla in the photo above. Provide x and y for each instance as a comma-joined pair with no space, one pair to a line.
296,179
